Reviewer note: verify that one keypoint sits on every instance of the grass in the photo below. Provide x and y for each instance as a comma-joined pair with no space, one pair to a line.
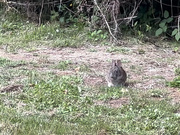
16,34
61,104
176,81
58,105
110,93
7,63
63,65
177,71
81,116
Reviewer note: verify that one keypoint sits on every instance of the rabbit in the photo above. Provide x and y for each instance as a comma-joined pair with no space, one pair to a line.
116,76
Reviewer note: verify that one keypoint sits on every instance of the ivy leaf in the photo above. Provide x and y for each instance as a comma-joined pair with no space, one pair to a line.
135,23
162,24
168,20
164,28
62,20
177,37
166,14
174,32
99,31
93,33
159,31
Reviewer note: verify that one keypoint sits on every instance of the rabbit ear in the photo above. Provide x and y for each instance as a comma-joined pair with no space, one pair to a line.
113,62
119,63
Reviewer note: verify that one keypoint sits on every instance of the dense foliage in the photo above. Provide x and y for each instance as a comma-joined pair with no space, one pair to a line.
142,17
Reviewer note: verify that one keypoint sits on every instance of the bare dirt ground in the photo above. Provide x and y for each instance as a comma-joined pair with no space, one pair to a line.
146,71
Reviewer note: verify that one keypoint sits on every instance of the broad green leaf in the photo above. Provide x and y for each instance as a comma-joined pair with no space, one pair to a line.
174,32
99,31
168,20
166,14
93,33
164,21
164,28
159,31
135,23
61,20
177,37
162,24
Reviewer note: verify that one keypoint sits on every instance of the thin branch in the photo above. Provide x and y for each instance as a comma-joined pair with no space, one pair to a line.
115,21
178,25
171,9
31,4
36,3
161,7
122,19
167,4
134,11
40,15
95,2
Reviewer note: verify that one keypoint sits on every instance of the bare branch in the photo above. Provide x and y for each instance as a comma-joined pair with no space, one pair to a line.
31,4
115,21
178,25
134,11
109,29
40,15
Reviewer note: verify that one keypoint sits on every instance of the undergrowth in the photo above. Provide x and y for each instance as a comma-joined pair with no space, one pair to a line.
16,33
176,81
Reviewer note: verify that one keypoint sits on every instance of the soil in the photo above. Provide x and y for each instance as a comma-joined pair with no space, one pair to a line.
148,67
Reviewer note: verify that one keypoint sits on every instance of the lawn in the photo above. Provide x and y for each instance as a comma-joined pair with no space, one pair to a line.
52,81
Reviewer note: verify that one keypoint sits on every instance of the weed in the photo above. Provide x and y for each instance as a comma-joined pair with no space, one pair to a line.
63,65
177,71
98,35
110,93
26,34
157,93
3,61
163,23
8,63
54,93
174,83
163,26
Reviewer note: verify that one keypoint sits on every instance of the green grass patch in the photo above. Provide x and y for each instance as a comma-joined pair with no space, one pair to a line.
177,71
76,113
24,35
63,65
174,83
8,63
108,93
62,92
